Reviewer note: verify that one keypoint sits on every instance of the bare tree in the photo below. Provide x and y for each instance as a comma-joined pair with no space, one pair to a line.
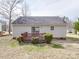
25,9
7,8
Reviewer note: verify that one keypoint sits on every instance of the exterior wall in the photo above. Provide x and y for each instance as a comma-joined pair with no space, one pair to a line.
59,31
17,29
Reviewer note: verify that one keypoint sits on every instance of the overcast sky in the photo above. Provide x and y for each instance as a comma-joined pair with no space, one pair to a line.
68,8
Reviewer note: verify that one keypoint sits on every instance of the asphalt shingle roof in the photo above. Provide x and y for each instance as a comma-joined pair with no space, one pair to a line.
40,20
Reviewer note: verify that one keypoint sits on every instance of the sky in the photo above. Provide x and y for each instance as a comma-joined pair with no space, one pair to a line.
68,8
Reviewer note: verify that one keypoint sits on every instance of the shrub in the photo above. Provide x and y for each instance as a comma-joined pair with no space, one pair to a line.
14,38
19,39
57,46
35,40
48,37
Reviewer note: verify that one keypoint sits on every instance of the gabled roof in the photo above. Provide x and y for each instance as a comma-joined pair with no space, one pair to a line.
40,20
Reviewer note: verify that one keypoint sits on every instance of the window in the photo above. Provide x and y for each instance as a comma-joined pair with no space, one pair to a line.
52,27
35,29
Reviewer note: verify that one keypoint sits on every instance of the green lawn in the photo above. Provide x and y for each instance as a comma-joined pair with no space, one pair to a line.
72,36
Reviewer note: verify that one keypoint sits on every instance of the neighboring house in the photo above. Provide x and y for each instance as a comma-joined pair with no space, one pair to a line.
3,25
41,24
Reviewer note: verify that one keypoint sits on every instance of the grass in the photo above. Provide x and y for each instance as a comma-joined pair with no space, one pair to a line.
57,46
29,47
70,35
41,47
34,47
73,37
40,51
13,43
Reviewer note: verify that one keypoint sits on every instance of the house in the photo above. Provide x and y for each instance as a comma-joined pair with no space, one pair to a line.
2,28
3,25
40,24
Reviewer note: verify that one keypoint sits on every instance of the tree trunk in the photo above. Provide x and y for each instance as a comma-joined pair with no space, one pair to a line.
75,31
10,23
9,26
